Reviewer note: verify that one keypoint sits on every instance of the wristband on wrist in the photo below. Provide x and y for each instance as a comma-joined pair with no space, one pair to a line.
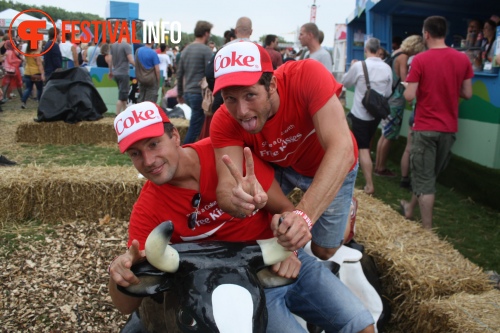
111,263
305,217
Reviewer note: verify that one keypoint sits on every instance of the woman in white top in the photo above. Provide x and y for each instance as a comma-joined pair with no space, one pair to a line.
364,124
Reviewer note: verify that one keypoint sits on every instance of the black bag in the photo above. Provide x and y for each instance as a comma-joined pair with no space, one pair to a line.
376,104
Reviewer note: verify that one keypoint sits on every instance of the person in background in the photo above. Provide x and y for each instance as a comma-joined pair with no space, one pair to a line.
363,124
243,29
474,27
119,59
383,54
91,53
104,59
69,52
33,76
391,126
52,59
190,72
271,42
489,44
211,45
438,78
147,70
12,78
165,67
229,36
310,37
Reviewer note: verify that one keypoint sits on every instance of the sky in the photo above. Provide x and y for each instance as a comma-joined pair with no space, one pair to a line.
278,17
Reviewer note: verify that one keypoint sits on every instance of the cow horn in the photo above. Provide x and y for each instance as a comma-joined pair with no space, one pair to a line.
272,252
158,252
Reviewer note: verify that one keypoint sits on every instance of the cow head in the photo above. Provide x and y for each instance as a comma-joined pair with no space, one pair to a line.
216,283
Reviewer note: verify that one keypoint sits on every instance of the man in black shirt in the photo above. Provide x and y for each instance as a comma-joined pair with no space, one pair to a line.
53,58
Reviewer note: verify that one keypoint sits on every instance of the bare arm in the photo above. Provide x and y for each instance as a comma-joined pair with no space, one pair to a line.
349,78
109,61
75,56
336,162
411,91
130,58
466,89
84,55
157,73
402,67
39,63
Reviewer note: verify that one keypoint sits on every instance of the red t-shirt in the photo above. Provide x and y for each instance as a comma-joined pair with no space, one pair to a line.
289,137
439,74
159,203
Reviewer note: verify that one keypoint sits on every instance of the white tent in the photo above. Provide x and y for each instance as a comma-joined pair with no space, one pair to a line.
8,15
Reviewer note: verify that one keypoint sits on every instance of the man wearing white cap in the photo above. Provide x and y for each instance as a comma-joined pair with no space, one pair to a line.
293,119
181,188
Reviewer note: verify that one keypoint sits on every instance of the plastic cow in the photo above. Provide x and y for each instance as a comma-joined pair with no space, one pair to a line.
215,283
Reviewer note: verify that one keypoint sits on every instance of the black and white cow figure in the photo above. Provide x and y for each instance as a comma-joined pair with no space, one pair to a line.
215,283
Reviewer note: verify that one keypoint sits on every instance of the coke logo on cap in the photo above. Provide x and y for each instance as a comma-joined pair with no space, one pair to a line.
136,117
233,60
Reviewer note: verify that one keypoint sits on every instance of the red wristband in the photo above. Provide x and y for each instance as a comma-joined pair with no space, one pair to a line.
305,217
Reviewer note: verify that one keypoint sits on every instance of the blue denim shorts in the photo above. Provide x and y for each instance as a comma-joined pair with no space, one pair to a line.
318,297
328,231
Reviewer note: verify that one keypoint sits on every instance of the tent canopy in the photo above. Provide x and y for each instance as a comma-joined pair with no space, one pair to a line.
8,15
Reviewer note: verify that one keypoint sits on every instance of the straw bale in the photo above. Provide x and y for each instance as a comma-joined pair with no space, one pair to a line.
84,132
460,313
416,264
67,193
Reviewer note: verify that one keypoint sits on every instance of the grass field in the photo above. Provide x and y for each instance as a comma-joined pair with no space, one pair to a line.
472,228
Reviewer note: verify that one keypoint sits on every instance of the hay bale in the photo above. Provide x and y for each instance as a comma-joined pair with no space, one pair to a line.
417,266
67,193
460,313
84,132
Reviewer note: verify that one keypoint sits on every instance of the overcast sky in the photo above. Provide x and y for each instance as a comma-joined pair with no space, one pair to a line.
279,17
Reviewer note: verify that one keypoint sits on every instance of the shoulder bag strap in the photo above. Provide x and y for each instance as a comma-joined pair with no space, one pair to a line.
366,75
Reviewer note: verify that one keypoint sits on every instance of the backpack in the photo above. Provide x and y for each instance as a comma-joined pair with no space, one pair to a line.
390,61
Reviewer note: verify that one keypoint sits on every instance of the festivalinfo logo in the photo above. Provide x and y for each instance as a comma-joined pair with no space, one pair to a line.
86,31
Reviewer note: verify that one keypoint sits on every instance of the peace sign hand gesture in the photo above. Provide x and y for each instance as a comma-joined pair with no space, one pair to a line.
248,195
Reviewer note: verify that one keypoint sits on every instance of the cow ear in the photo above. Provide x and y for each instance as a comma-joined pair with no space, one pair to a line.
151,281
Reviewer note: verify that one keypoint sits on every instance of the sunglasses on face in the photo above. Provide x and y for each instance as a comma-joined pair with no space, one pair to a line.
195,203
